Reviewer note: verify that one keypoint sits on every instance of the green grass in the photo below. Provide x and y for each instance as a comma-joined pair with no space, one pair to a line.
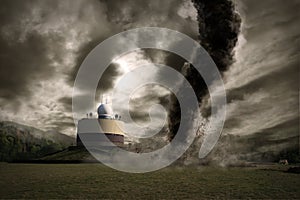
98,181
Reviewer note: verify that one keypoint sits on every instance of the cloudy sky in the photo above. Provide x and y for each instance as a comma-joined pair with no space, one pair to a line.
263,84
42,44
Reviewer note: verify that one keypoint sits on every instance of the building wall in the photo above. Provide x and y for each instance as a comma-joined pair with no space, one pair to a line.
111,126
90,140
89,131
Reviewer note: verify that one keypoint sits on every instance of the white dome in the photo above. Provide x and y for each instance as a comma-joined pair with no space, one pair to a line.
104,110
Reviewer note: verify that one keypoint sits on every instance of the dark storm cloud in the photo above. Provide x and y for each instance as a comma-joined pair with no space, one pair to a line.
123,15
33,37
66,102
165,58
133,14
267,82
39,39
83,51
32,45
33,53
139,106
24,57
58,121
218,29
263,85
218,33
272,31
106,81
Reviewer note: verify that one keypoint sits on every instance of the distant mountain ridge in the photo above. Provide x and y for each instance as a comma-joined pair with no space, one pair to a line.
21,142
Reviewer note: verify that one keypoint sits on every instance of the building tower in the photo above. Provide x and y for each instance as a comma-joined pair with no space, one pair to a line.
111,126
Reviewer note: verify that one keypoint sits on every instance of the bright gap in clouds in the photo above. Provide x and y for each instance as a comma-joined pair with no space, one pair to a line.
141,99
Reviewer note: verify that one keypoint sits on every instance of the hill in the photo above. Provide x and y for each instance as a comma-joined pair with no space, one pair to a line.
21,142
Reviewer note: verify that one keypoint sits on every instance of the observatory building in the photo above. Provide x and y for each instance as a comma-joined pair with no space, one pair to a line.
90,132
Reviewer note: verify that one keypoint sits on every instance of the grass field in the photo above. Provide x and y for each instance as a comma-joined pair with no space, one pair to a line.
98,181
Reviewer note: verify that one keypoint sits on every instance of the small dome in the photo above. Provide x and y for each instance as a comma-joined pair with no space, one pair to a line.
104,110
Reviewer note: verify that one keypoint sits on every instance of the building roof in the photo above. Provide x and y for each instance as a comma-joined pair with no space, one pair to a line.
105,110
